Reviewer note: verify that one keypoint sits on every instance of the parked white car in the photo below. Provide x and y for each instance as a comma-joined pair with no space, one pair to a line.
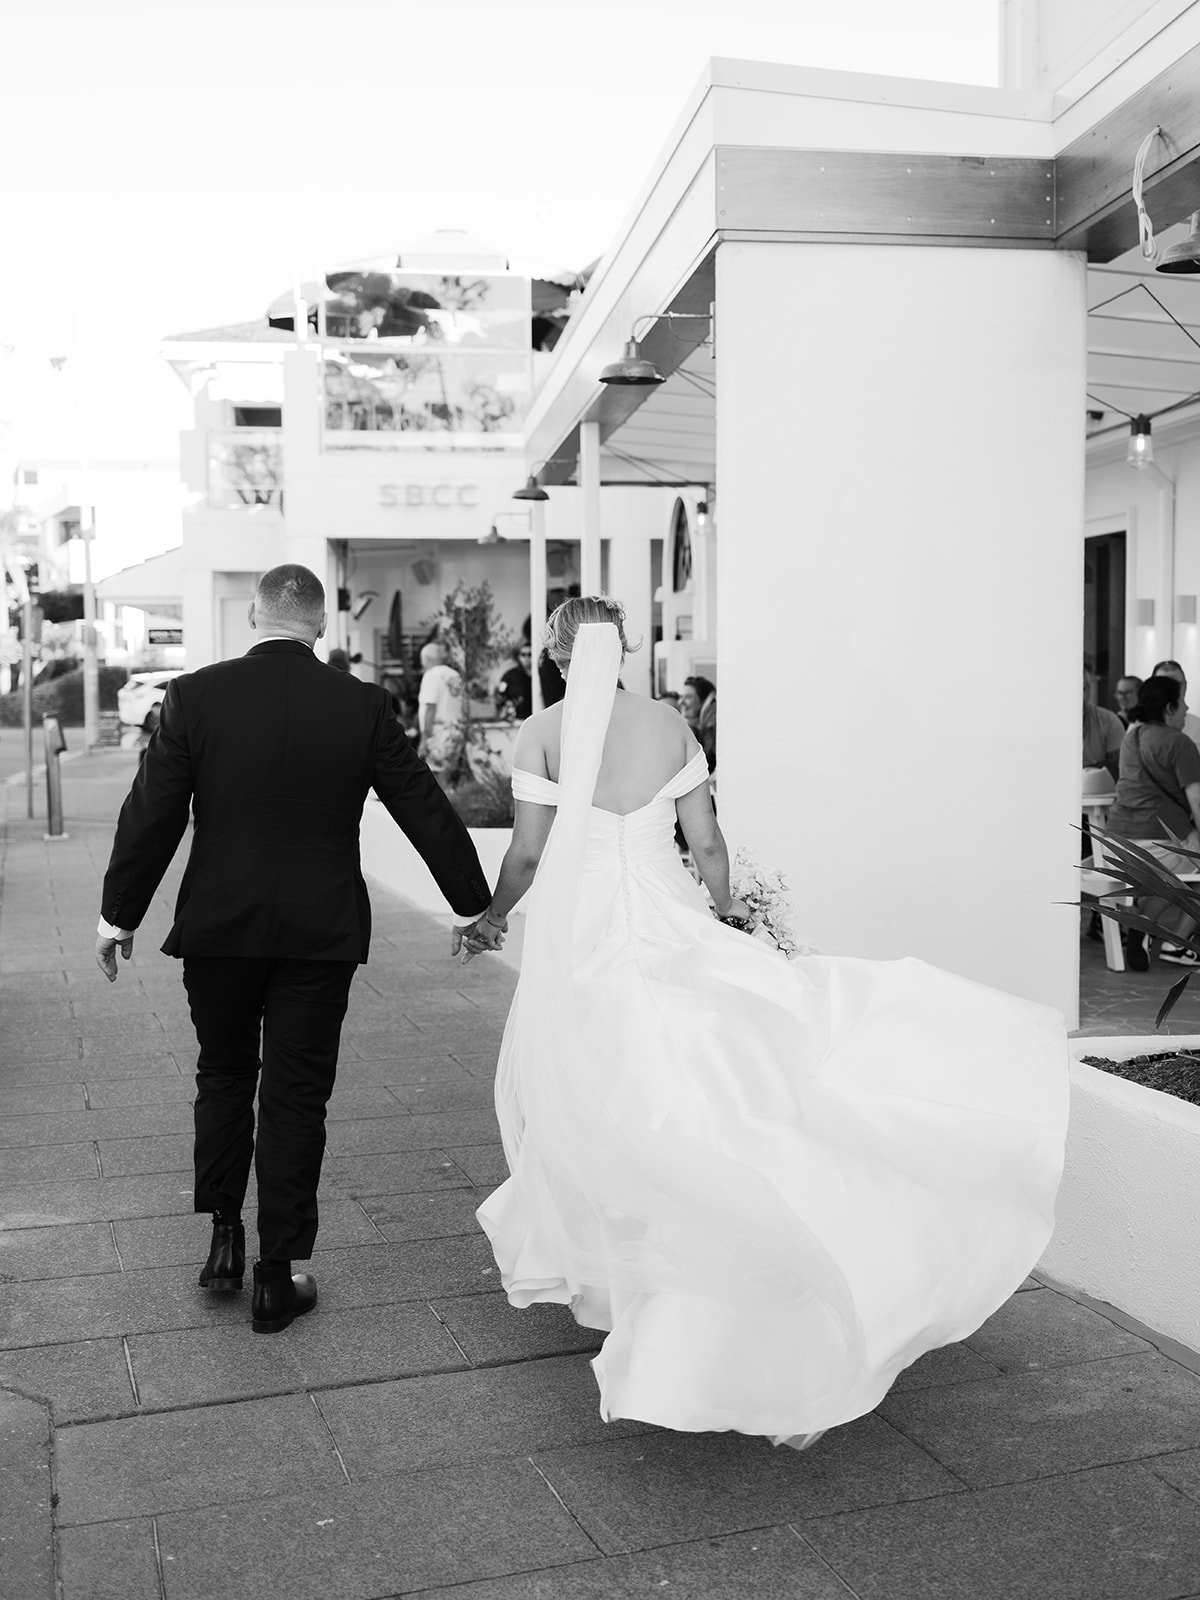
139,699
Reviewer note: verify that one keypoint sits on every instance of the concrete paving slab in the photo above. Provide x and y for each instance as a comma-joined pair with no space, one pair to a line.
449,1419
1115,1533
425,1216
48,1163
1030,1424
418,1531
161,1089
26,1530
79,1381
400,1172
1181,1469
769,1564
41,1205
953,1363
388,1274
121,1122
28,1254
110,1561
204,1456
436,1130
664,1488
324,1349
32,1099
458,1093
1049,1330
353,1102
491,1331
95,1072
127,1158
484,1164
66,1309
184,1240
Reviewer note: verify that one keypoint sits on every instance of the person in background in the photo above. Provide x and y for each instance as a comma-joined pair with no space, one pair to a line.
1172,669
698,703
339,660
671,698
514,692
1102,730
439,706
1158,800
1126,694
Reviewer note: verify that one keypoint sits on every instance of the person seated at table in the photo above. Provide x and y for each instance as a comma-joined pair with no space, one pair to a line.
1172,669
1158,800
1102,730
1125,694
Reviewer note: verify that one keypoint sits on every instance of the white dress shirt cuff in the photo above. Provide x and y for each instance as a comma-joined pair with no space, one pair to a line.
108,930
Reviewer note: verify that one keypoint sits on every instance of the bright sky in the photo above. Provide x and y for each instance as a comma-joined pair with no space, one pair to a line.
172,164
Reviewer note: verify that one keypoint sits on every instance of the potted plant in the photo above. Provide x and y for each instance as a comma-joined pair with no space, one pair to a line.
1128,1211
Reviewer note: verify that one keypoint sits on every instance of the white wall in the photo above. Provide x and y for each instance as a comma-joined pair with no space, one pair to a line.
899,582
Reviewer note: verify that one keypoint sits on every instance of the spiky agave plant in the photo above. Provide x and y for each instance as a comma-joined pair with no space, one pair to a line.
1144,875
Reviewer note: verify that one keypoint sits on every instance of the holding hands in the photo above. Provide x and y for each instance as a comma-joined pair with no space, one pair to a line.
482,934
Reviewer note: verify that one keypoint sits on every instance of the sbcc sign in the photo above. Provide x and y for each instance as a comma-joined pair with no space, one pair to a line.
417,496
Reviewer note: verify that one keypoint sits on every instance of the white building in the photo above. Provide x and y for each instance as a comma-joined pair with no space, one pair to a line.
387,463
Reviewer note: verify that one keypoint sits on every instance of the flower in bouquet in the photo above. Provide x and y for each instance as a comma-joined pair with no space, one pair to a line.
764,889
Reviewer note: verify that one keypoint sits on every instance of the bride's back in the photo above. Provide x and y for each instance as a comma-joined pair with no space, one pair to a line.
646,744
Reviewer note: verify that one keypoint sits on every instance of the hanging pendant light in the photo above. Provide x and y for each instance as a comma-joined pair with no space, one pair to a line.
532,490
1185,256
1141,446
492,536
633,370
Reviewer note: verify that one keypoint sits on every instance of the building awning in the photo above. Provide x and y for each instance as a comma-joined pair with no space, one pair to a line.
149,585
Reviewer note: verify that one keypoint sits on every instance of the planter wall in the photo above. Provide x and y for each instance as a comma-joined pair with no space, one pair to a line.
388,858
1128,1213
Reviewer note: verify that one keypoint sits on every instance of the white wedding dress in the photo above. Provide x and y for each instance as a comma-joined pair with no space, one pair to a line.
774,1183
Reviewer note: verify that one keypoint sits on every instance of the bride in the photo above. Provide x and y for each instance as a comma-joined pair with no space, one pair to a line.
773,1184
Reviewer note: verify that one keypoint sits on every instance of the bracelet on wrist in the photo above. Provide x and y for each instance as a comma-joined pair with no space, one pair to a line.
487,917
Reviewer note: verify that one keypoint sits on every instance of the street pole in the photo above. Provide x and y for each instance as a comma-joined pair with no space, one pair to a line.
91,670
27,694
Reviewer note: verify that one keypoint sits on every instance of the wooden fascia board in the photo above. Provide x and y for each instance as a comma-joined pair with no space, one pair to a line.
1094,174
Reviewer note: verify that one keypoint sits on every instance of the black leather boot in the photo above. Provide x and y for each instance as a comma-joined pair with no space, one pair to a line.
280,1296
226,1264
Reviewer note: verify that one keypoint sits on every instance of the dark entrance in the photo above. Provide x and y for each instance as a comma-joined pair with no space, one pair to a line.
1104,611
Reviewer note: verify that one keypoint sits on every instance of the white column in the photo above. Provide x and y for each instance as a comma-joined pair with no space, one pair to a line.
629,582
589,485
537,591
900,580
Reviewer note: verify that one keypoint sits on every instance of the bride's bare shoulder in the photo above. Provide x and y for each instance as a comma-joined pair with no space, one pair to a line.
537,734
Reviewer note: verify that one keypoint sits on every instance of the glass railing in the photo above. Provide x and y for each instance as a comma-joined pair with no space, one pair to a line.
245,468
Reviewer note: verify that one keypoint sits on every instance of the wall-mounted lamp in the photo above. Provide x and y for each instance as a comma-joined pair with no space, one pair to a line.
1185,256
633,370
533,489
1144,613
363,601
1185,608
493,535
1140,452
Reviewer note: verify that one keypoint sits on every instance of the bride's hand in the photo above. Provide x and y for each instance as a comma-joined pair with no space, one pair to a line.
737,908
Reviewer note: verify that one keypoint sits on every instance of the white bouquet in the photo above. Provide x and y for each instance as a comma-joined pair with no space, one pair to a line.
764,889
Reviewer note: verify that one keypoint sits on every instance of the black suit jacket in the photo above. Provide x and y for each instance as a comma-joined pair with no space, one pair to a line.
275,752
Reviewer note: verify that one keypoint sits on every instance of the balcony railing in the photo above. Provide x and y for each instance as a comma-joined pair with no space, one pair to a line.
245,468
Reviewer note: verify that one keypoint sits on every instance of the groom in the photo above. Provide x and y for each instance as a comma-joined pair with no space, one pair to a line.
274,753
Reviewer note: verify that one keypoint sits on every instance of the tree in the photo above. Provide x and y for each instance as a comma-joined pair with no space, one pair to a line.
476,641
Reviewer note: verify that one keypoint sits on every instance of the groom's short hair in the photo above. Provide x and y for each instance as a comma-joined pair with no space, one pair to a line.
291,593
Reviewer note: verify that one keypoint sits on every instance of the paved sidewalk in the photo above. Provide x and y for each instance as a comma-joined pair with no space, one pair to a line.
415,1435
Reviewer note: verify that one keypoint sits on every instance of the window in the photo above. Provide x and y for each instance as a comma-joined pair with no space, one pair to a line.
258,416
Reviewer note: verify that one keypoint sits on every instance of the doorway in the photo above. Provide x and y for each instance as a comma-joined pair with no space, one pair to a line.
1104,611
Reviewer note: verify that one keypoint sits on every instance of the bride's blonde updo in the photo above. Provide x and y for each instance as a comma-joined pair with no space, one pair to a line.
566,620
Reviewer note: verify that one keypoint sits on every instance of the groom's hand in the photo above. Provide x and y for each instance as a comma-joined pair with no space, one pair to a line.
478,936
106,954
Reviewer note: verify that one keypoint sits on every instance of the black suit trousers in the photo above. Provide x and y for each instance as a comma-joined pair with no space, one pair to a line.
292,1012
